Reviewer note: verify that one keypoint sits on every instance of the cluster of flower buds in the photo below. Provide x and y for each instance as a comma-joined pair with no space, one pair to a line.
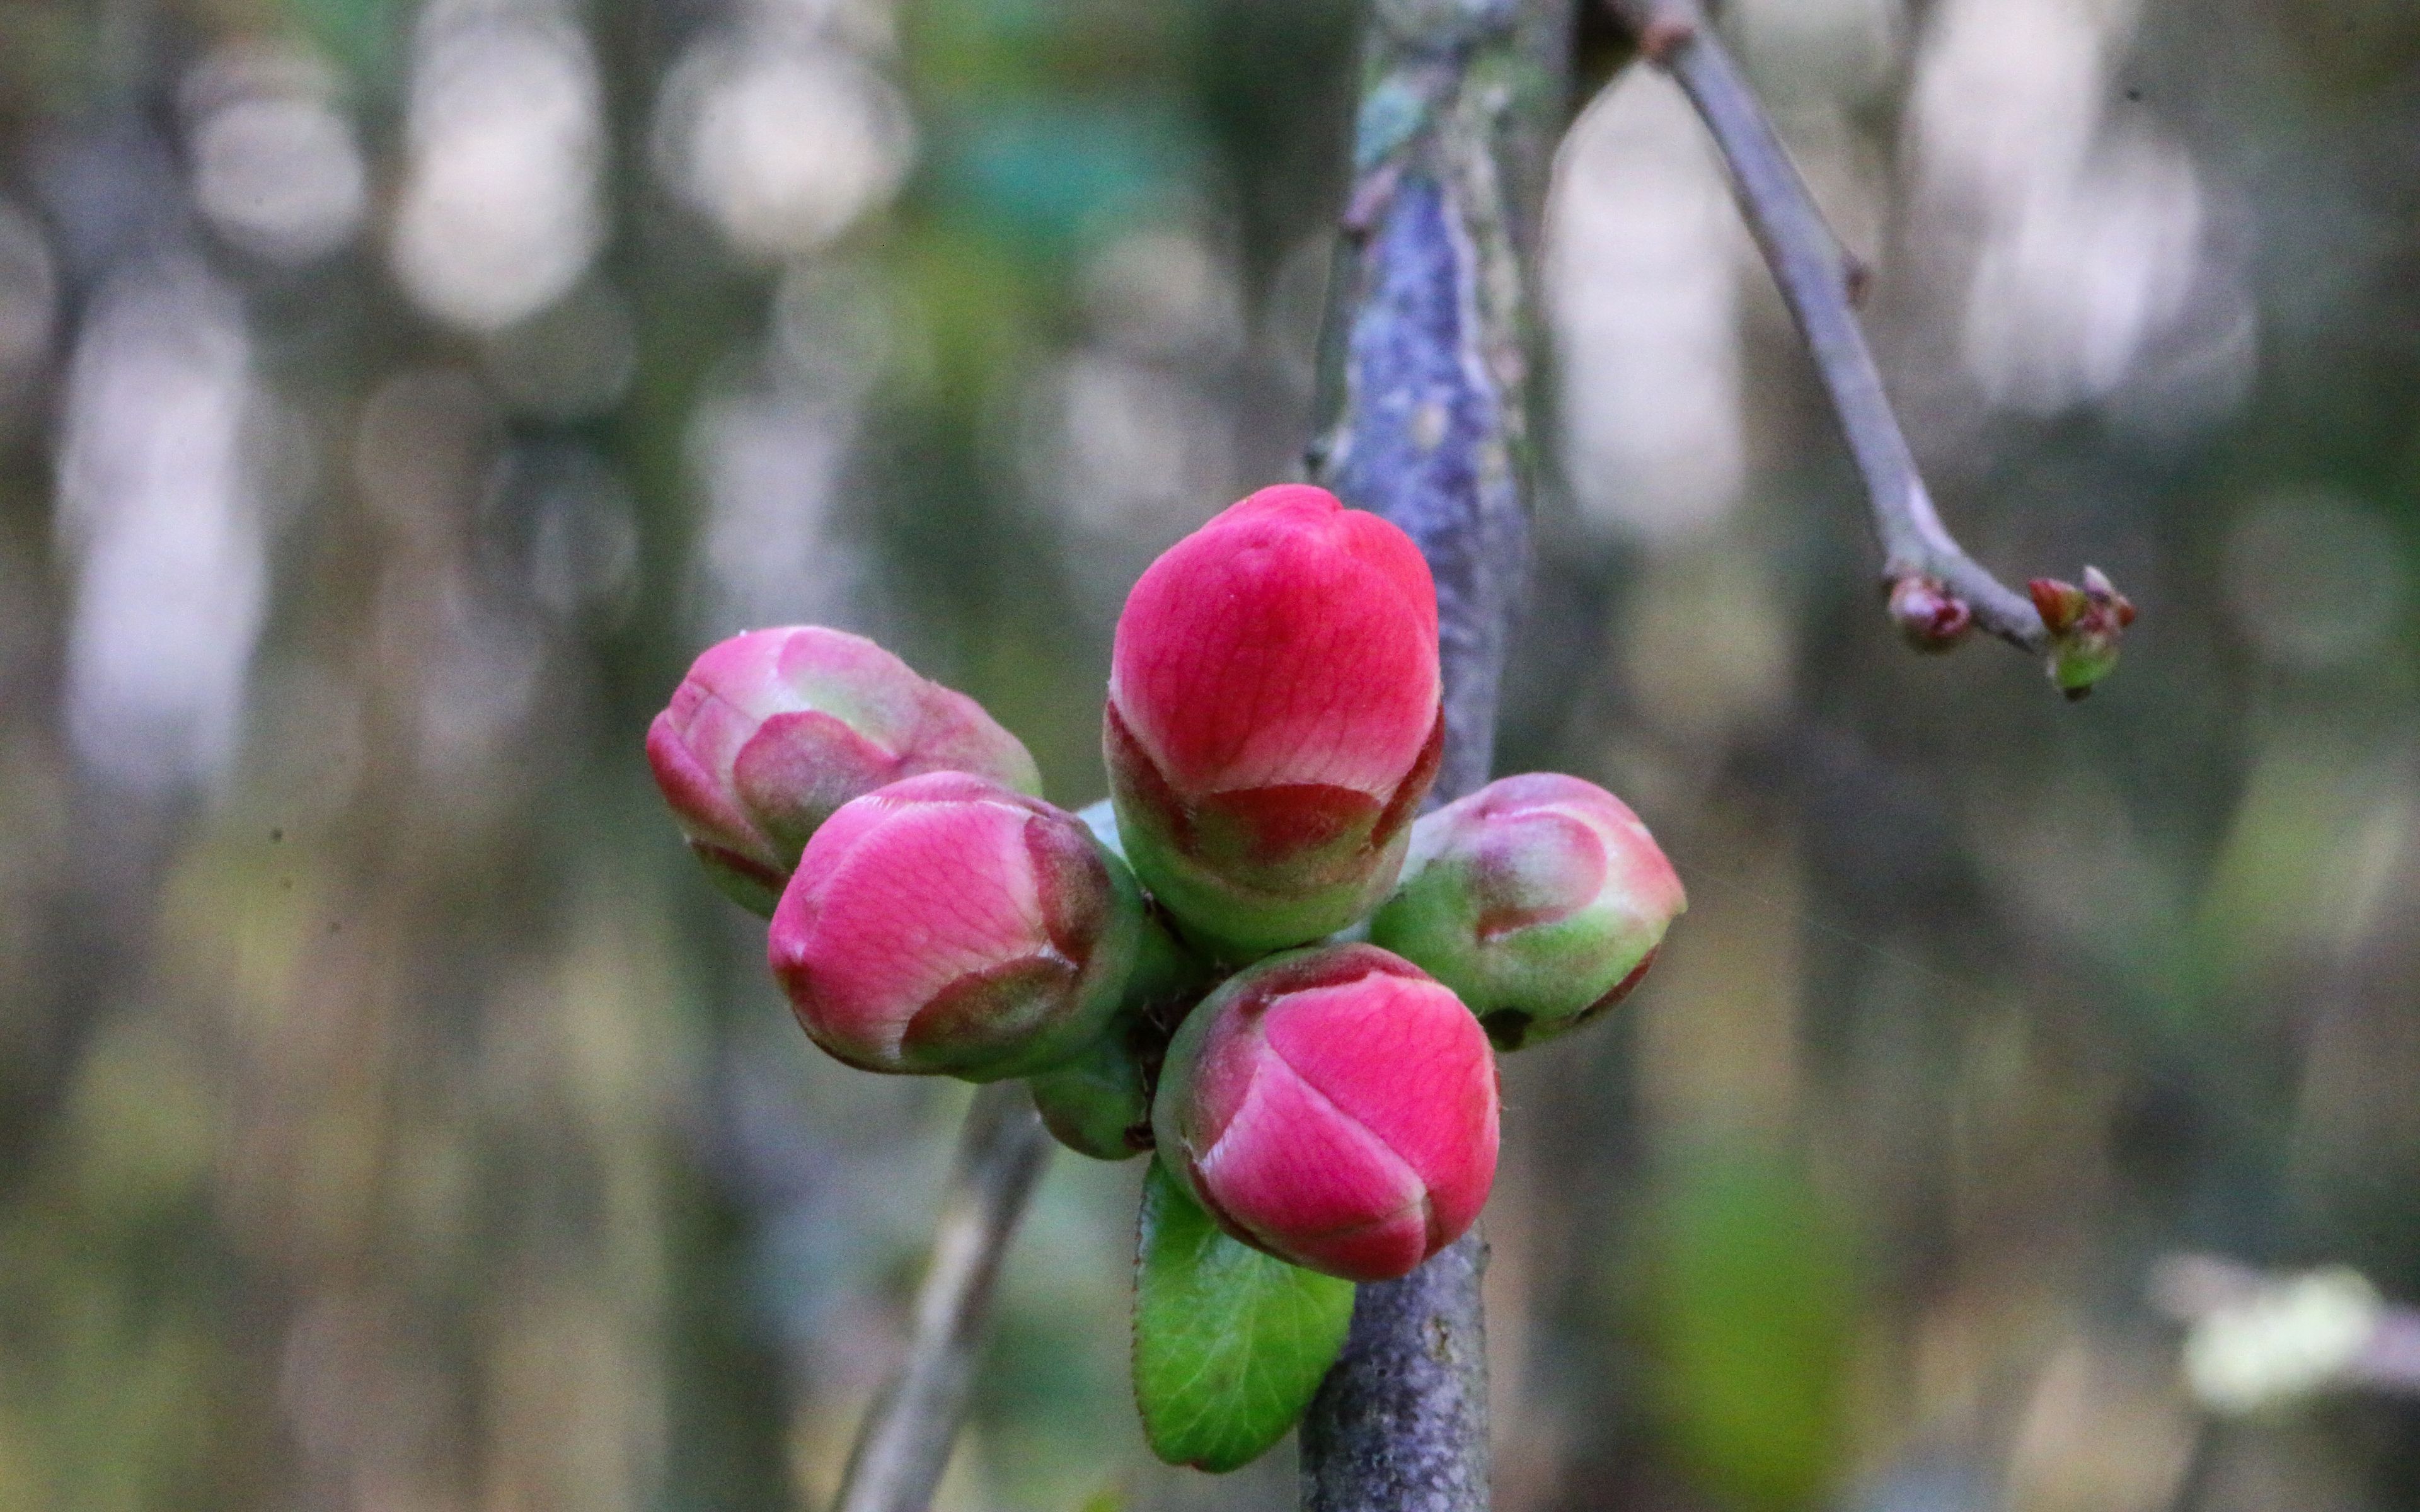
1273,724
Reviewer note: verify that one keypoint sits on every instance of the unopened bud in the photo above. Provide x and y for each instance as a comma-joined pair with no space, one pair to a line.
948,924
1334,1106
773,729
1928,615
1541,899
2085,624
1273,718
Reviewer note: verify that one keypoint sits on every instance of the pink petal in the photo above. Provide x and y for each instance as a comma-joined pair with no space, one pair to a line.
697,797
800,767
896,900
1406,1061
1287,641
1306,1179
1535,867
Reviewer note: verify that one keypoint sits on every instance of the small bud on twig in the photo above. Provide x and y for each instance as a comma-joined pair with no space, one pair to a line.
1929,616
1821,282
2085,624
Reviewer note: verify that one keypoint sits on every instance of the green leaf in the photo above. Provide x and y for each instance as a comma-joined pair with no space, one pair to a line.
1229,1343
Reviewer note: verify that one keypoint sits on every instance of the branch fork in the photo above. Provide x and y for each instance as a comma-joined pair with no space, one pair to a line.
1934,589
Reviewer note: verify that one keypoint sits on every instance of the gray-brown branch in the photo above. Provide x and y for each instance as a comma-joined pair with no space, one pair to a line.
904,1444
1421,419
1816,278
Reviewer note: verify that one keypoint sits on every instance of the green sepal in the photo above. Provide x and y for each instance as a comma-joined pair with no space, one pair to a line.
1229,1343
1237,922
1099,1104
740,882
2079,662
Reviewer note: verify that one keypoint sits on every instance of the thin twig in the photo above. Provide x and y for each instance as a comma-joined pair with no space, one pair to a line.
904,1444
1818,281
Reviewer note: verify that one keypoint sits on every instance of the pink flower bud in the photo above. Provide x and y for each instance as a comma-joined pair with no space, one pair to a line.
1273,717
773,729
1334,1106
1929,614
1540,899
947,924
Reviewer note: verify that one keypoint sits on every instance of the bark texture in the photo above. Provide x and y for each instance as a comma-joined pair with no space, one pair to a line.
1423,420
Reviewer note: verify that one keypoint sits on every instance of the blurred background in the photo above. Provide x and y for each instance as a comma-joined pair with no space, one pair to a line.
393,397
